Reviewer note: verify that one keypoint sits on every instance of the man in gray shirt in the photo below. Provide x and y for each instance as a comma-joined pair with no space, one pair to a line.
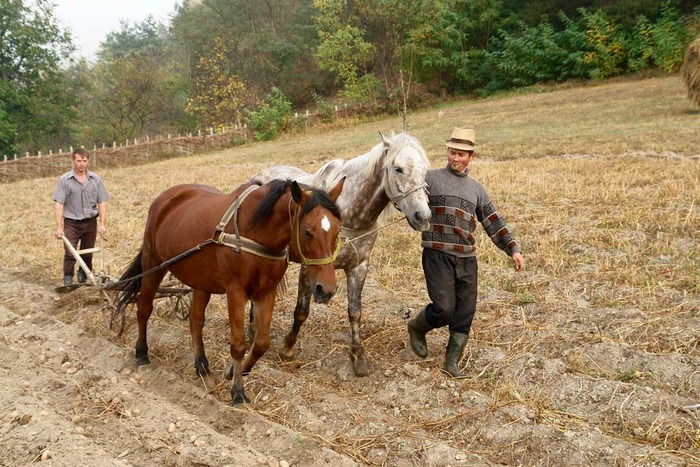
458,203
80,211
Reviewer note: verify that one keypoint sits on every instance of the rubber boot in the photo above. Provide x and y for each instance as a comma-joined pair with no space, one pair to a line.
67,281
417,328
82,277
453,354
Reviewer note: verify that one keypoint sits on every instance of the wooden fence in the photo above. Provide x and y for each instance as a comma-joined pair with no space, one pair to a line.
13,168
54,164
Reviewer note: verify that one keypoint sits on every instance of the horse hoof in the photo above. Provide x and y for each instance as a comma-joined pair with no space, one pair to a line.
228,374
287,355
240,398
209,383
142,361
360,367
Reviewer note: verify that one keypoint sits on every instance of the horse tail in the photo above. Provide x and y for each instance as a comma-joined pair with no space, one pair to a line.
129,284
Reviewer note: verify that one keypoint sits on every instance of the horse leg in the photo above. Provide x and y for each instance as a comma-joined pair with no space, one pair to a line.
301,312
236,301
144,308
263,310
251,323
200,300
356,281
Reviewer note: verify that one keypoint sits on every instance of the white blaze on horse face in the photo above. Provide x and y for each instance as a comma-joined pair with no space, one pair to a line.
325,223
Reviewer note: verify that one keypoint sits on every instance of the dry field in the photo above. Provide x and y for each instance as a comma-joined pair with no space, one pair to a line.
591,356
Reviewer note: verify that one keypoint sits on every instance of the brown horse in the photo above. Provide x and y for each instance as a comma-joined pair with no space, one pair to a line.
234,244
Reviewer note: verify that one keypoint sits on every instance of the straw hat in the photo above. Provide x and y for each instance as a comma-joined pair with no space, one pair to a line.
462,139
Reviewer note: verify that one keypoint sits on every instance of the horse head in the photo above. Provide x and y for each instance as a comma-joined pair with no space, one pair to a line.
315,243
406,165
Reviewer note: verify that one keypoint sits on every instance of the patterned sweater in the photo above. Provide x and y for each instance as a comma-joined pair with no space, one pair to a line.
457,202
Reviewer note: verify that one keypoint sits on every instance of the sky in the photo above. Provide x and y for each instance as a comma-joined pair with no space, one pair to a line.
91,20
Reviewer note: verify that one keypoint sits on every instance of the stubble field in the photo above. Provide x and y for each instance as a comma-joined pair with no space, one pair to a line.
589,357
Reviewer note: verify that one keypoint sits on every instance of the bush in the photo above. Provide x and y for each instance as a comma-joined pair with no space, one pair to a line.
325,110
604,50
273,117
661,43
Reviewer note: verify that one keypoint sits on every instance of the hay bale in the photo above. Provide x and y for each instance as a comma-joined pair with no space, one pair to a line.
690,71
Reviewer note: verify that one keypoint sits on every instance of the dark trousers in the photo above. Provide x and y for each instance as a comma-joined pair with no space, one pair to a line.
452,285
85,232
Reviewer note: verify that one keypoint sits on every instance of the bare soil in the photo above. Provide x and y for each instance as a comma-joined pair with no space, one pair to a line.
72,394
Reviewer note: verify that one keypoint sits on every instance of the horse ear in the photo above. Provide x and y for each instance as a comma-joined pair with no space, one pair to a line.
337,189
384,140
297,192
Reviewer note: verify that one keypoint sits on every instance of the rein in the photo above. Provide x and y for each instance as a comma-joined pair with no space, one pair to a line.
350,235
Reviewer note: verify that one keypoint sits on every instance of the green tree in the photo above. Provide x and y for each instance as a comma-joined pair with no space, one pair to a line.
135,89
457,42
35,109
219,95
269,44
370,46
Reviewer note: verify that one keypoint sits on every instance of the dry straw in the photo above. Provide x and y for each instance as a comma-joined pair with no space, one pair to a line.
598,337
690,71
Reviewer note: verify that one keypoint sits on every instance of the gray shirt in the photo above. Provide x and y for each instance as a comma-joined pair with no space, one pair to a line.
80,201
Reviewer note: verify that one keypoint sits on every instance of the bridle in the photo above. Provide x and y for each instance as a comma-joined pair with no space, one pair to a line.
296,233
238,242
396,196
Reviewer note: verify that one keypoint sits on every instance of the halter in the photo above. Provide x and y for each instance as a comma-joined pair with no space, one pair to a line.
296,228
396,196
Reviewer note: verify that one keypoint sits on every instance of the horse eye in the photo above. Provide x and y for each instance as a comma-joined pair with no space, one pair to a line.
308,234
398,170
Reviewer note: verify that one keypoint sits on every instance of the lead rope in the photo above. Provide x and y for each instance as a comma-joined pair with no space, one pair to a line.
349,241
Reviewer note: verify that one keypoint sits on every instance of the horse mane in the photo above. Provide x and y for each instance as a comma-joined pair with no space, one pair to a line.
322,198
377,158
276,188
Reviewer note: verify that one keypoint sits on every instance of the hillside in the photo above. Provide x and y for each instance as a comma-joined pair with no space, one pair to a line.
591,356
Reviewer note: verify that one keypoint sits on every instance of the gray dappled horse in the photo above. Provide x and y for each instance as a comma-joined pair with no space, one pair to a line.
392,172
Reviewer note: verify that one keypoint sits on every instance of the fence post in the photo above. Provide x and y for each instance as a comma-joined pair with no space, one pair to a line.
148,140
114,145
71,149
211,131
38,154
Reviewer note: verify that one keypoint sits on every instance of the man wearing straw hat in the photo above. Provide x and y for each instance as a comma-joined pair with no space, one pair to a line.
80,203
457,202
